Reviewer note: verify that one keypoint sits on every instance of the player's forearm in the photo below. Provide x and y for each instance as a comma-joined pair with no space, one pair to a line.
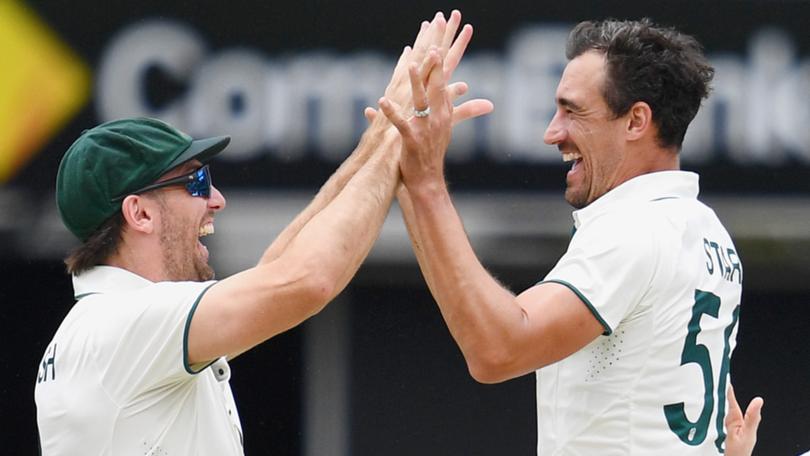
408,216
339,237
326,194
481,314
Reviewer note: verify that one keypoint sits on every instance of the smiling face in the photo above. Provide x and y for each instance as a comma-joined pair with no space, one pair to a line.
184,220
586,132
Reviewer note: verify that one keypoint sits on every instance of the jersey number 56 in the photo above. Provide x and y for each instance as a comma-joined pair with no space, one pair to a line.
694,432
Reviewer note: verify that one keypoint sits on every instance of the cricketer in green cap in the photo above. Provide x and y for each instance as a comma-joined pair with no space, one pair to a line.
140,362
117,158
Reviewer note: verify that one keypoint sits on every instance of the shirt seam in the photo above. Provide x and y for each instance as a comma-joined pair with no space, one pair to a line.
608,331
186,329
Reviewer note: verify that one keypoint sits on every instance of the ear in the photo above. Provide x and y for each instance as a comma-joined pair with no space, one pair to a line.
639,121
140,213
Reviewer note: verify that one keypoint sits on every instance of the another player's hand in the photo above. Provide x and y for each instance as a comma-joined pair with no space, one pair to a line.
430,34
742,430
467,110
424,138
440,35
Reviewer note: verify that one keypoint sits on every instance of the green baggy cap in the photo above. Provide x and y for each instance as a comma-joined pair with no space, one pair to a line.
116,158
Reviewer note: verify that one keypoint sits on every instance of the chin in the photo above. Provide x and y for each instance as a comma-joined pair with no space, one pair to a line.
575,200
204,272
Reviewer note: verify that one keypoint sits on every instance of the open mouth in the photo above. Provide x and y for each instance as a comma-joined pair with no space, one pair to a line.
574,157
205,230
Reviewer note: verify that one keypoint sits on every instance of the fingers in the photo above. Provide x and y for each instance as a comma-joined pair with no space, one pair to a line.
436,83
452,50
431,69
420,99
410,54
471,109
450,31
402,64
467,110
429,64
426,64
457,89
439,26
421,37
403,57
735,419
734,414
437,34
753,415
432,36
456,51
370,114
393,112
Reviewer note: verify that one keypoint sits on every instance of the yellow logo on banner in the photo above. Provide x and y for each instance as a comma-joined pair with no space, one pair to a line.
42,84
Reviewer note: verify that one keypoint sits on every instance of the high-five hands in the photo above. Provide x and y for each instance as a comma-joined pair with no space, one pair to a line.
426,127
440,35
425,120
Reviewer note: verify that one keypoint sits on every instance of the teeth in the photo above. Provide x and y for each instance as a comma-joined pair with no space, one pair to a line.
571,156
206,229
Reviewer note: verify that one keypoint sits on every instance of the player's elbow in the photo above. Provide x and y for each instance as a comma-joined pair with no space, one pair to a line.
487,374
319,290
491,366
315,288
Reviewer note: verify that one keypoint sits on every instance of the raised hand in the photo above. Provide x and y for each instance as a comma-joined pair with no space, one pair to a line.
439,35
430,34
426,127
742,430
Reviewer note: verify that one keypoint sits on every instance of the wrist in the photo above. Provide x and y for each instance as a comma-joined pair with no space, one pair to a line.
427,189
379,133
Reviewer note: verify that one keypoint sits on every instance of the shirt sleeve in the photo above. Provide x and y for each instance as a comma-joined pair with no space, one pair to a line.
609,265
149,332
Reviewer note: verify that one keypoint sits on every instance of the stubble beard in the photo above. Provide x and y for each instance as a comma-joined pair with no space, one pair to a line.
577,199
181,258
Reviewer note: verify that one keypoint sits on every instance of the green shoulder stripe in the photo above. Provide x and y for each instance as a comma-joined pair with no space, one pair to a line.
185,335
84,295
608,330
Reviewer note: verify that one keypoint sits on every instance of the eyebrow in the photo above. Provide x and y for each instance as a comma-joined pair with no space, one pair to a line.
565,102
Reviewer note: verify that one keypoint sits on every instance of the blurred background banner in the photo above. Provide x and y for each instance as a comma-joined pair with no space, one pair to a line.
289,82
378,373
42,86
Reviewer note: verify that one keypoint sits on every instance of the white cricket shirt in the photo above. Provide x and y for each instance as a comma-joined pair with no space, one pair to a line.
656,267
115,379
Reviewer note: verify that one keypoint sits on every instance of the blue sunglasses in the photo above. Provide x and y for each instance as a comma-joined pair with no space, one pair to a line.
198,183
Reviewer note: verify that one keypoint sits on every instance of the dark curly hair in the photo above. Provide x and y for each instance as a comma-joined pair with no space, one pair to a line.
659,66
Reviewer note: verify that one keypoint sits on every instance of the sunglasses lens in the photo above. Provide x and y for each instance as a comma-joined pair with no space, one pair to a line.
201,185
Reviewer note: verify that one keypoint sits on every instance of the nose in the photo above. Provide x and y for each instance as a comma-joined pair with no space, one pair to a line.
216,202
555,132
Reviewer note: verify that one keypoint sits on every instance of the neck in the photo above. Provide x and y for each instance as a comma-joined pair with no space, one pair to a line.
139,258
648,159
